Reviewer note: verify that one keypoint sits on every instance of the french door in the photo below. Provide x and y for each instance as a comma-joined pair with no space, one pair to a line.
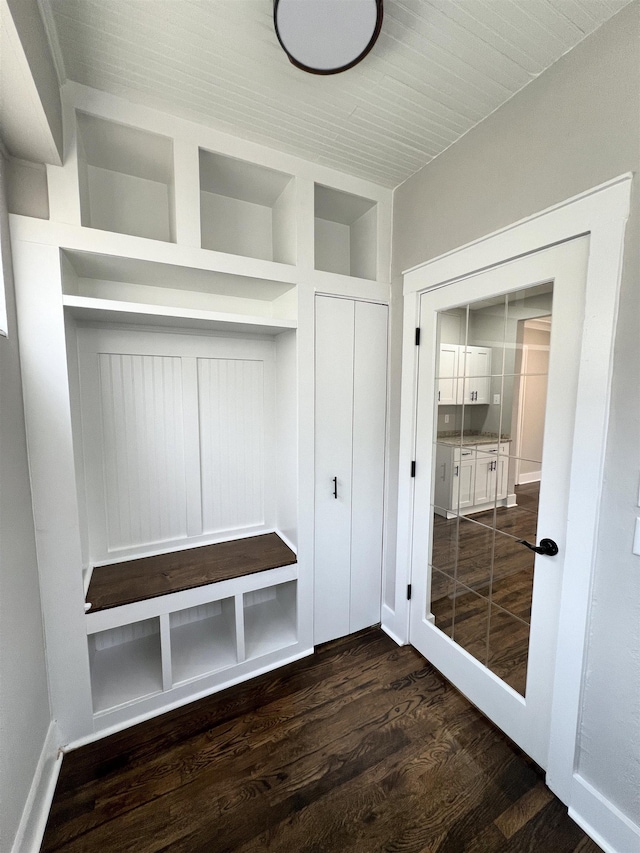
487,554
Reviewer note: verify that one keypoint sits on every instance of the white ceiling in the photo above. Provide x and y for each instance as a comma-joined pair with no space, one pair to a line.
439,68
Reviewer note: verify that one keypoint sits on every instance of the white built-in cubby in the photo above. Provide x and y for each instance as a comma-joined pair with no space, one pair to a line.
107,288
125,177
269,619
126,664
247,209
152,652
166,323
346,227
203,640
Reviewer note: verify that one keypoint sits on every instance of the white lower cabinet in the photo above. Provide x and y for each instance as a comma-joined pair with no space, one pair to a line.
350,425
471,478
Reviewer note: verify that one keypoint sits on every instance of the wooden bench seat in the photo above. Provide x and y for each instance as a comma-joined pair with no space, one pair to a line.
135,580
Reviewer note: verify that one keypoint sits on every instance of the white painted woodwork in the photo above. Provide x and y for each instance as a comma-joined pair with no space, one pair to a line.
269,619
246,209
231,413
525,720
125,664
146,291
334,382
203,640
345,233
179,438
470,478
368,462
351,357
464,375
125,178
448,375
437,69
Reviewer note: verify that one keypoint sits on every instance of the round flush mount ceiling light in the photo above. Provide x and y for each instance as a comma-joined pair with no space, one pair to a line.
327,36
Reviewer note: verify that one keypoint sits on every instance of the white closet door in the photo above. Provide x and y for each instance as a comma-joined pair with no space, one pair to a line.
351,366
369,426
335,320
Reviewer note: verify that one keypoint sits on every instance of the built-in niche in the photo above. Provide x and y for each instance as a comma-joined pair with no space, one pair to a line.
125,179
247,209
345,233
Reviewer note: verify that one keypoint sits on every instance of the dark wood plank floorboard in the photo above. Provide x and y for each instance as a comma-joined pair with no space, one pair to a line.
148,577
362,747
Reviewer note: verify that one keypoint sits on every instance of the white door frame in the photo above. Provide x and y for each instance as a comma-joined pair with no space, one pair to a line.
602,214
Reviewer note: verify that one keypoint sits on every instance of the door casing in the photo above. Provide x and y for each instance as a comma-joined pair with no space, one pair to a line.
600,213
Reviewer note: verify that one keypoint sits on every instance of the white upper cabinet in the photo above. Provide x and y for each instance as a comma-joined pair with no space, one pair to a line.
464,375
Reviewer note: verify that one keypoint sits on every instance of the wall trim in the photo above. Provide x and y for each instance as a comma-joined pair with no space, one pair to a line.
589,808
36,809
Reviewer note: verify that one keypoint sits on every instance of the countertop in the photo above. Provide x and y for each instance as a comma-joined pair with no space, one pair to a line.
468,439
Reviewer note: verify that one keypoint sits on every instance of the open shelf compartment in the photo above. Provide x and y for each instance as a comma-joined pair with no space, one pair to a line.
345,233
270,619
203,640
126,664
246,209
126,179
119,289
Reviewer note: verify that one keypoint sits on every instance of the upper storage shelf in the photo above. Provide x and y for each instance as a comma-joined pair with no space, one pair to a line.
345,233
131,290
247,209
126,179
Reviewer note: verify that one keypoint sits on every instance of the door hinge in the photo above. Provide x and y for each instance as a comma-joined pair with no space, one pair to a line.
413,468
408,592
417,337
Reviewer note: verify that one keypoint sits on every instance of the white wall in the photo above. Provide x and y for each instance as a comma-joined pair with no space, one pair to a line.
573,128
24,696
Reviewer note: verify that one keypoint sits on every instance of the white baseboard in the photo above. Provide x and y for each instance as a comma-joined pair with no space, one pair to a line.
531,477
601,820
36,809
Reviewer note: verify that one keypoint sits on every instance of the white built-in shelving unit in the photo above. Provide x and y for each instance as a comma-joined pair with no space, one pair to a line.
345,233
166,316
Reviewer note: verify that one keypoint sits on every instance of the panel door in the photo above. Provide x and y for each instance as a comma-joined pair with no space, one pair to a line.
350,417
479,367
335,332
463,484
494,633
369,426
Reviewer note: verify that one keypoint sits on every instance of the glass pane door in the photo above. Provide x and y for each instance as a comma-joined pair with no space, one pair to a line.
491,387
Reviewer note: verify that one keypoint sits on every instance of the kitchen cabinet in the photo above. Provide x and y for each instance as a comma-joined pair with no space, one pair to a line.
464,375
470,478
350,421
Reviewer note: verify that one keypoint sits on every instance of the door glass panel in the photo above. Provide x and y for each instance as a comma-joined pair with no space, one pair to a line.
491,386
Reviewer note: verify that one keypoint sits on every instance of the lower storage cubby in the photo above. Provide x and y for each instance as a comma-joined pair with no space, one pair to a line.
126,664
270,619
203,640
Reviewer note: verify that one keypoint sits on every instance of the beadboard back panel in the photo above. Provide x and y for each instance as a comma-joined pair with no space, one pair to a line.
231,403
143,449
178,438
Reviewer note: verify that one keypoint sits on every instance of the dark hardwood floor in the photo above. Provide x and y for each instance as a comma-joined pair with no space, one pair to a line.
361,747
482,582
